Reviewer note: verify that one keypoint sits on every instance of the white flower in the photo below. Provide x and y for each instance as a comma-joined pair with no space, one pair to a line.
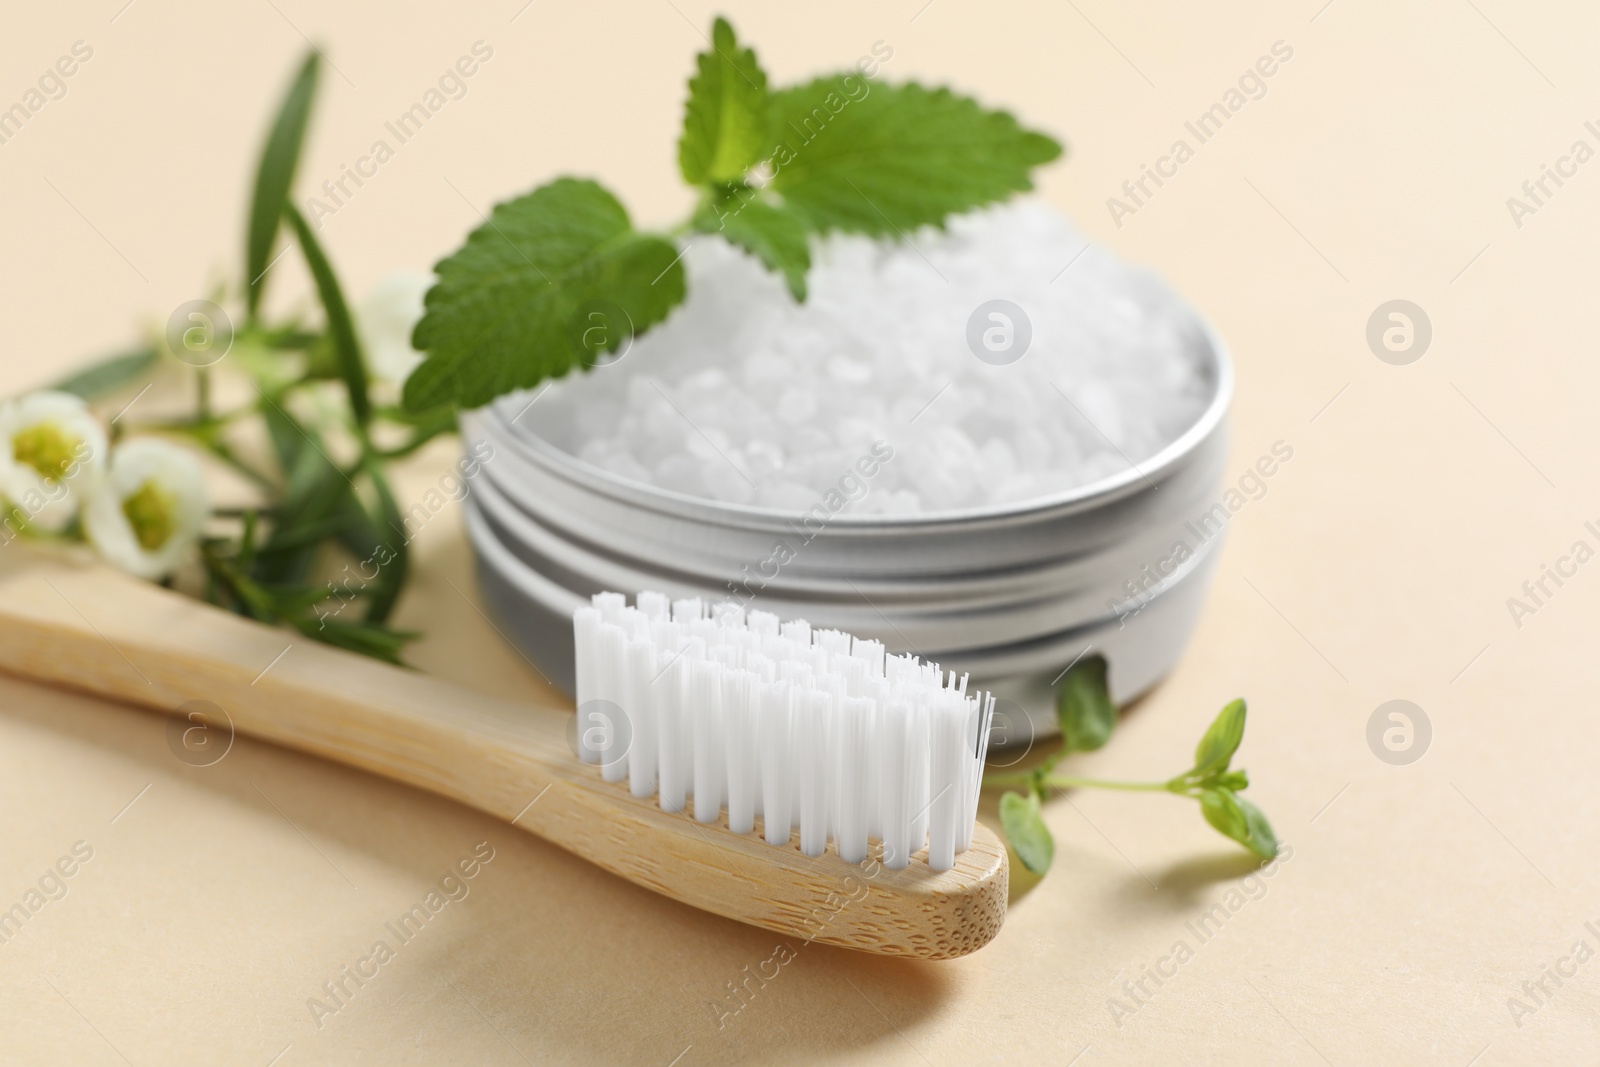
385,320
51,449
147,510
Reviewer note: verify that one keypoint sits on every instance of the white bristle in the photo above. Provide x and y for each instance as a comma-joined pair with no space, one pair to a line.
654,605
643,731
811,732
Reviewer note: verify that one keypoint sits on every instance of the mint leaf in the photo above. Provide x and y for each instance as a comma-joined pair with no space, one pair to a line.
499,317
882,160
774,235
1084,708
1030,838
1221,740
725,117
274,174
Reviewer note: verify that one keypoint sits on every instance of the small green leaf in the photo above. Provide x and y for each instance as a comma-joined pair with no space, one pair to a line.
274,175
1030,838
852,155
1083,706
107,376
1235,817
341,328
1263,842
1221,740
1221,809
774,235
1236,780
725,117
498,318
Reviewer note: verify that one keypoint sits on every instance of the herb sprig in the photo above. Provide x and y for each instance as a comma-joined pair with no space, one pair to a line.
558,277
322,486
1087,718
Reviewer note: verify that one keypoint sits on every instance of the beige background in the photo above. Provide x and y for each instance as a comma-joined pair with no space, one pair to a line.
1419,498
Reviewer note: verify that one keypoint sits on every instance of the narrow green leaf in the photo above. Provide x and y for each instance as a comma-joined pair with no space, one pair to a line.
389,554
287,436
247,539
1030,838
500,316
1083,706
725,117
107,376
274,176
852,155
1221,739
341,327
773,234
379,642
309,512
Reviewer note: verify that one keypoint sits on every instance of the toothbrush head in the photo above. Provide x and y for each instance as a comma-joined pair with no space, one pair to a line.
819,736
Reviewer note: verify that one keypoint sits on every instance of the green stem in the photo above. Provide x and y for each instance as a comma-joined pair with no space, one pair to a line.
201,425
202,404
226,454
417,440
1068,781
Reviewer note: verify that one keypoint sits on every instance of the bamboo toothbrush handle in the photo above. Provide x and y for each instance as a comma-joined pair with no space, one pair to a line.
81,625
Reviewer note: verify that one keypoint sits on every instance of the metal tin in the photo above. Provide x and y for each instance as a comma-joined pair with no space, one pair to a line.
1013,594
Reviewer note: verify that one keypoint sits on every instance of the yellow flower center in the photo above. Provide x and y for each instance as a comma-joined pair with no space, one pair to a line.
150,512
46,449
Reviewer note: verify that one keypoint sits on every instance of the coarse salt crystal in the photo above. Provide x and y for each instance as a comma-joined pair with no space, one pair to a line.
746,397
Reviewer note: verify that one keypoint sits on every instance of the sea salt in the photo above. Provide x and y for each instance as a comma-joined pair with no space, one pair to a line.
746,397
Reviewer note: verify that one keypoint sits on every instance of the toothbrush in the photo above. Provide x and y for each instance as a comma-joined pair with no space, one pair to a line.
822,733
863,768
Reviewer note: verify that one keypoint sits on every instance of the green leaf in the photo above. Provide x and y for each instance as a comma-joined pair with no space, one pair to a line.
499,317
1235,817
341,328
1030,838
725,117
1221,809
274,175
1083,706
107,376
880,159
1263,842
389,553
310,510
369,639
773,234
1236,780
1221,740
287,436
